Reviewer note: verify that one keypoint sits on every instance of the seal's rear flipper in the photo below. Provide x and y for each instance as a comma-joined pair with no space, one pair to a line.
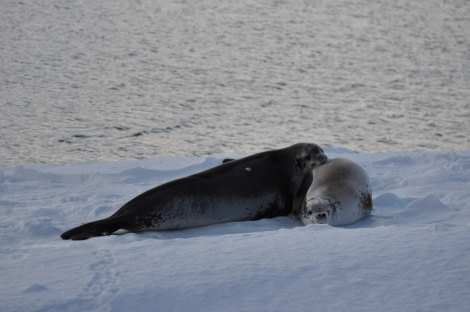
93,229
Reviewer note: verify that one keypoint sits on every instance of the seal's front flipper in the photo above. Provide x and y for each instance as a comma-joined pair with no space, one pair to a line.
299,199
94,229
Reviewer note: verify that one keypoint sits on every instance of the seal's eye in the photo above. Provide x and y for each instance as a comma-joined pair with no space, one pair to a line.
308,157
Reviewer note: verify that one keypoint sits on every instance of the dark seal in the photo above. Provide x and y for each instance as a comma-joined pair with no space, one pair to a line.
263,185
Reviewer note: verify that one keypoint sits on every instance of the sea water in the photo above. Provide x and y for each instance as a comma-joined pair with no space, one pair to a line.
111,80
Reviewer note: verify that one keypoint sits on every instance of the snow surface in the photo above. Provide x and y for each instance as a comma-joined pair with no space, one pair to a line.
412,254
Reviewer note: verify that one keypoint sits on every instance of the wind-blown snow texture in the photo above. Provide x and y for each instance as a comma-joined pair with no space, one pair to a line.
412,254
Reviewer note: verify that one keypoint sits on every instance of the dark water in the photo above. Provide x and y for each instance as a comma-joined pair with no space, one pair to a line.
114,79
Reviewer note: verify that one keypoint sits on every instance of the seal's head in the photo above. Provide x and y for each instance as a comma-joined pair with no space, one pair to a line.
317,211
309,156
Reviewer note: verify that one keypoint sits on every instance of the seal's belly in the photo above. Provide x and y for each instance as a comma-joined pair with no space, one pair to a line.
187,212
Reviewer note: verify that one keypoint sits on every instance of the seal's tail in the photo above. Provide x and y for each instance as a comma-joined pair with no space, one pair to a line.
97,228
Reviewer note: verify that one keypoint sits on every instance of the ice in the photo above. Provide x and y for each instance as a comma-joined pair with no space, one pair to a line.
411,254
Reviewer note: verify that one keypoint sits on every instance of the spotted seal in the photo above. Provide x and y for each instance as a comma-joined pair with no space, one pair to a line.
263,185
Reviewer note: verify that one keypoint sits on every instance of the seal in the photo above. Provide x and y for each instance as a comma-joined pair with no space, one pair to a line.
340,194
263,185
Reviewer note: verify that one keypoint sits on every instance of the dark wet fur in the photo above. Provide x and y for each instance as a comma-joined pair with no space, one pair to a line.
152,209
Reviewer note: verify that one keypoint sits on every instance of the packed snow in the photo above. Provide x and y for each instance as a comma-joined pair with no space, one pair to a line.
411,254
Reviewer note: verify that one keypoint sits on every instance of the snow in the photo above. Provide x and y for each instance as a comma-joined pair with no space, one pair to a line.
412,254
